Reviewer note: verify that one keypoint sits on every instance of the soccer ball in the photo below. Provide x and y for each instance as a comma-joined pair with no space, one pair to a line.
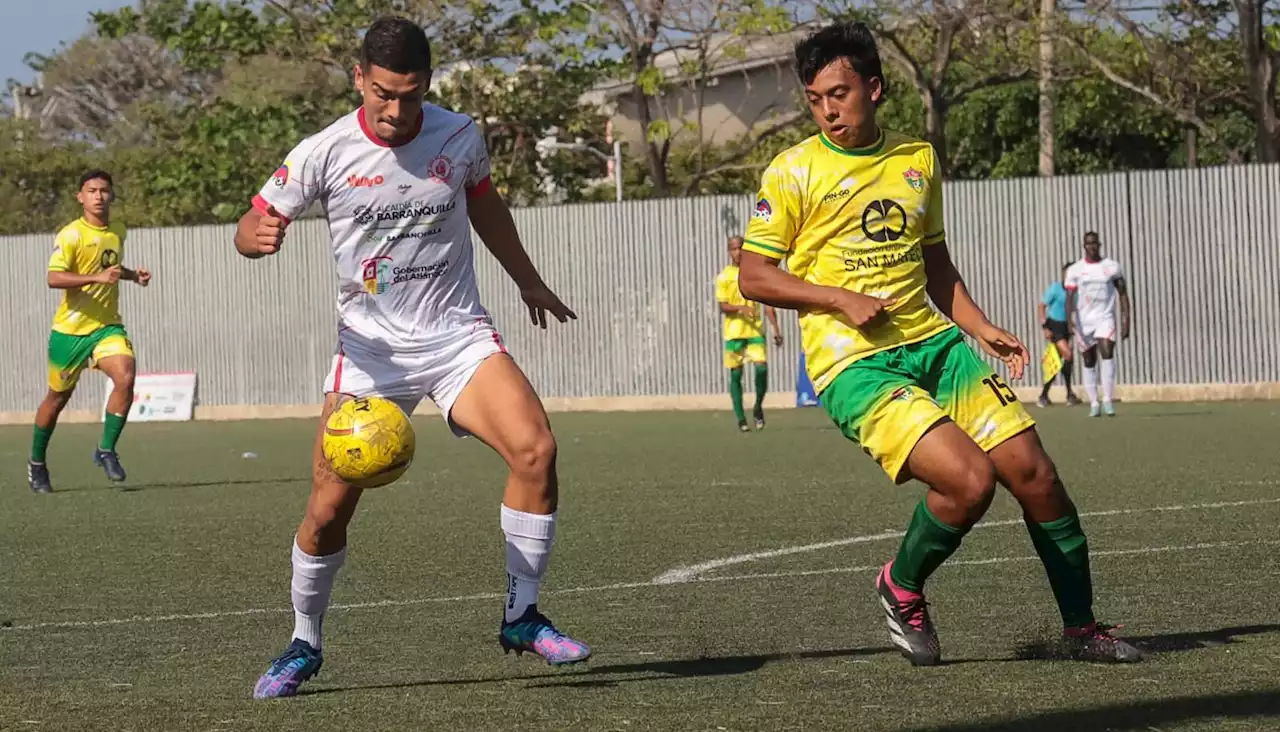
369,442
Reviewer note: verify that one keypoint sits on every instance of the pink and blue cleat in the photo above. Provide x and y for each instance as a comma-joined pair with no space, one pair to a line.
534,633
299,662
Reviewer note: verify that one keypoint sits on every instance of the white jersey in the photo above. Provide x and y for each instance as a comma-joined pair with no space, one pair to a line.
1094,285
398,224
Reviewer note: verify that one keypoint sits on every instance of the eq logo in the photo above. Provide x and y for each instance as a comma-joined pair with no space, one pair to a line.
364,181
884,220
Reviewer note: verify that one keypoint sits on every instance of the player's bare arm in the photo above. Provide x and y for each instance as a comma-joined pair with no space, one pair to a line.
73,281
761,280
948,292
1122,290
492,221
771,314
260,234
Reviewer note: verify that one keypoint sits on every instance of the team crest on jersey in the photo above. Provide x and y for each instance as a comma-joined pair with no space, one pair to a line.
763,211
902,394
914,178
441,169
281,176
376,273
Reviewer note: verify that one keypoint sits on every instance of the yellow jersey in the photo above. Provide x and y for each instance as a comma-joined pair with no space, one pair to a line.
856,219
737,326
82,248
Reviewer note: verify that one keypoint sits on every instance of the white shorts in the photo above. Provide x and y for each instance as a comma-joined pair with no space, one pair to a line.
406,378
1092,331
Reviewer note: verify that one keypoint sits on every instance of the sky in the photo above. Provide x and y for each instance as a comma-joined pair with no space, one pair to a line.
40,25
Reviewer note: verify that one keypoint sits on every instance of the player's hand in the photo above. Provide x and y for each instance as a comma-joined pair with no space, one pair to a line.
1005,346
270,232
144,277
1048,334
1124,331
541,300
777,339
863,311
110,275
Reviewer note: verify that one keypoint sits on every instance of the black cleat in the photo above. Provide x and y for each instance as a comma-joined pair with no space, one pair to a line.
910,627
1094,642
110,463
742,426
1073,400
38,478
759,417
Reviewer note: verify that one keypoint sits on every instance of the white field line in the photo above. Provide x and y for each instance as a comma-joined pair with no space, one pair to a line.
179,617
692,572
662,580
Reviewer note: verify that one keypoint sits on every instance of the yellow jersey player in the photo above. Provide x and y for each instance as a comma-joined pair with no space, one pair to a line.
857,211
87,329
744,337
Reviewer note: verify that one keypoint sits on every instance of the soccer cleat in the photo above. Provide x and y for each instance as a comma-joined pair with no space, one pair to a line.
110,463
1095,410
742,426
533,632
38,478
1108,409
759,417
1094,642
298,663
910,627
1043,402
1073,400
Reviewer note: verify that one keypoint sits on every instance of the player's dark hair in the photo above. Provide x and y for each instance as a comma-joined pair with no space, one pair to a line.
396,44
848,40
95,174
1092,235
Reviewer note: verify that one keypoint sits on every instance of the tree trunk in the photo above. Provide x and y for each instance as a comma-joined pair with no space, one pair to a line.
1048,89
936,128
1191,140
652,151
1262,79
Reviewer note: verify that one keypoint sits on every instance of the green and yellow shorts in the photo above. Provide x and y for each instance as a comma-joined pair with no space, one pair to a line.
887,401
739,350
69,355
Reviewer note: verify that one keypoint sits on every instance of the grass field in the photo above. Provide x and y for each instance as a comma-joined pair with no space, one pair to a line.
156,607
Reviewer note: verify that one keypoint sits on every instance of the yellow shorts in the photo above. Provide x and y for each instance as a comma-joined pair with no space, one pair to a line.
70,355
740,350
887,401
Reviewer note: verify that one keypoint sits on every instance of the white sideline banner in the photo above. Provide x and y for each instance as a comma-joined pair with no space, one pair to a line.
161,397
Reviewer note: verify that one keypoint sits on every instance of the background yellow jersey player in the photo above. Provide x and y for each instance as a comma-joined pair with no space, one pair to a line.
857,211
744,337
87,329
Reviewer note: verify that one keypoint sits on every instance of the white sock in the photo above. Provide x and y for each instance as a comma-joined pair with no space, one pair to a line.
529,537
1108,368
312,583
1091,383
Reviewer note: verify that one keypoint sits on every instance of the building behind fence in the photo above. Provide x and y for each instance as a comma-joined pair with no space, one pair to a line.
1200,248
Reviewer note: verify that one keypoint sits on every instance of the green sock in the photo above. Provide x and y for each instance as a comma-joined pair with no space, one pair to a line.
40,442
926,546
112,426
762,385
1064,550
735,392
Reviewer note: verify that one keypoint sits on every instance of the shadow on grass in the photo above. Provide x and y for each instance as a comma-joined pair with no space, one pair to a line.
1143,715
1154,644
601,676
135,487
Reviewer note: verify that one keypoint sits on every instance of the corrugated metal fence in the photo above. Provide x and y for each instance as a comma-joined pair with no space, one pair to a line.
1201,249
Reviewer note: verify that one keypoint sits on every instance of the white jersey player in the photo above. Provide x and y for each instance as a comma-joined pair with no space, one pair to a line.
399,182
1096,295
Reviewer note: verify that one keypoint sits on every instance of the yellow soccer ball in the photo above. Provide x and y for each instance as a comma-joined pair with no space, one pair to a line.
369,441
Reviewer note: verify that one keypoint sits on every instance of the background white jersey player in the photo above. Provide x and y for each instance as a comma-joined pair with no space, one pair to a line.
398,181
1095,291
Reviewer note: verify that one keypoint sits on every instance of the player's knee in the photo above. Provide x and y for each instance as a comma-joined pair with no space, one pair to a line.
124,380
534,458
975,485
